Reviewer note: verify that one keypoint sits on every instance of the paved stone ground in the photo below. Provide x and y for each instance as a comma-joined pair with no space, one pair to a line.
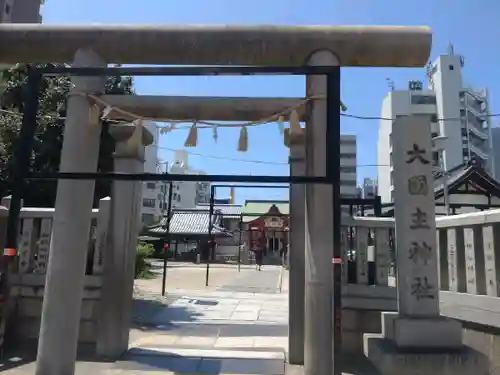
224,331
238,325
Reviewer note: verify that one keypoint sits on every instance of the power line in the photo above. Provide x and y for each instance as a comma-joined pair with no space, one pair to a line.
251,161
222,125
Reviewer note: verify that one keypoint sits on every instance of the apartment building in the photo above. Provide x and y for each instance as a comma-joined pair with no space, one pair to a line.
369,189
153,192
20,11
348,175
187,194
456,111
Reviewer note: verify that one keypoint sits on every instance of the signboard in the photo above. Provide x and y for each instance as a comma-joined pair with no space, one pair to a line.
274,222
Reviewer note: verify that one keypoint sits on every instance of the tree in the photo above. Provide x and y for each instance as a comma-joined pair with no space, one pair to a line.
49,135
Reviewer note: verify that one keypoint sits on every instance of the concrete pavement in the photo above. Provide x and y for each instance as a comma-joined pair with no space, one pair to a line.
237,327
223,331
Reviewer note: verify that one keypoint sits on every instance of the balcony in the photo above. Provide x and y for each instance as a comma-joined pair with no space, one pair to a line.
478,132
476,150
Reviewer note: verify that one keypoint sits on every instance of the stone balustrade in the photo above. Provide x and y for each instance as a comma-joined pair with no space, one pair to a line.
27,284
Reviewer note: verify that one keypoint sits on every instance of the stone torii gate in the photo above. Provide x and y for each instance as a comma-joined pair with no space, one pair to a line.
284,46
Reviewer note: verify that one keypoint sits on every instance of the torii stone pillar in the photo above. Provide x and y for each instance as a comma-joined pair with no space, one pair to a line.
318,230
119,259
210,46
296,254
63,294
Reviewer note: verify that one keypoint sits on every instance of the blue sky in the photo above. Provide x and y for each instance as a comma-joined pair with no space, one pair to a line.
473,30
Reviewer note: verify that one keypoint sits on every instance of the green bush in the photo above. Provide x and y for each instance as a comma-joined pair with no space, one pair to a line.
142,265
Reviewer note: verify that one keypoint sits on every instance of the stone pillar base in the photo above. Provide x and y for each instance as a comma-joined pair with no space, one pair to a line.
392,360
417,333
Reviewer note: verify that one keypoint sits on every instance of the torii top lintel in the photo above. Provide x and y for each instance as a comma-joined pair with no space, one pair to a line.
217,45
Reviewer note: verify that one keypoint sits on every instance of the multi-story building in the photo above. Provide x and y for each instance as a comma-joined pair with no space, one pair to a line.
187,194
369,189
495,142
153,192
457,113
348,187
20,11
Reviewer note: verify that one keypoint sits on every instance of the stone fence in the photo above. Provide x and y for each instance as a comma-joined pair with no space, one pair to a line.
469,275
27,284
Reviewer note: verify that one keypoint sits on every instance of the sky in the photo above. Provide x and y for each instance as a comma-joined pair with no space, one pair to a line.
472,29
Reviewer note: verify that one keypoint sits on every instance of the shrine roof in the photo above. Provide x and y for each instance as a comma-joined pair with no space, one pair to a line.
229,211
253,208
456,177
211,45
187,222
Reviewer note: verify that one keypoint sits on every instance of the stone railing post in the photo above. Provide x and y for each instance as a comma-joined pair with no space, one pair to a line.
119,262
296,253
4,215
417,340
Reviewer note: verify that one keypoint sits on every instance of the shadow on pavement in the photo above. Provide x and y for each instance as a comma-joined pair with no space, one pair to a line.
151,360
149,314
143,319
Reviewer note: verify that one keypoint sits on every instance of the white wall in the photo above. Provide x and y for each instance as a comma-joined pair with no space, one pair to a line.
447,85
152,194
348,162
187,194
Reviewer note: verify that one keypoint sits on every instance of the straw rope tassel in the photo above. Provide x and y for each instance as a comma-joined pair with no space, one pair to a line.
286,137
243,141
294,123
136,139
192,138
215,135
281,125
94,115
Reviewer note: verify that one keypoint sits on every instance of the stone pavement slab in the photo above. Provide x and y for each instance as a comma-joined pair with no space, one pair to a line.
267,280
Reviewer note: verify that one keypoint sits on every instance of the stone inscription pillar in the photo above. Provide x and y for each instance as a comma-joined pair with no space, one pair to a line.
62,300
417,340
296,254
417,258
119,260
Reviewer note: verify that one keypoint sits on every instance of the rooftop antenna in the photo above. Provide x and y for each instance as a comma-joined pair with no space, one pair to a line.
390,83
450,49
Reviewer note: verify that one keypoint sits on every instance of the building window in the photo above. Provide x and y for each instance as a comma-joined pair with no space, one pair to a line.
347,141
148,202
7,9
451,67
348,156
151,185
423,99
178,197
348,183
348,169
148,219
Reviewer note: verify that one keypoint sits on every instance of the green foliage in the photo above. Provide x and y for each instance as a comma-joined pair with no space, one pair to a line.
142,265
50,127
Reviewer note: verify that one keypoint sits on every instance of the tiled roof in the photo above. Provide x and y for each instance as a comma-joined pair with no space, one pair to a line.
230,211
187,222
456,177
252,209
